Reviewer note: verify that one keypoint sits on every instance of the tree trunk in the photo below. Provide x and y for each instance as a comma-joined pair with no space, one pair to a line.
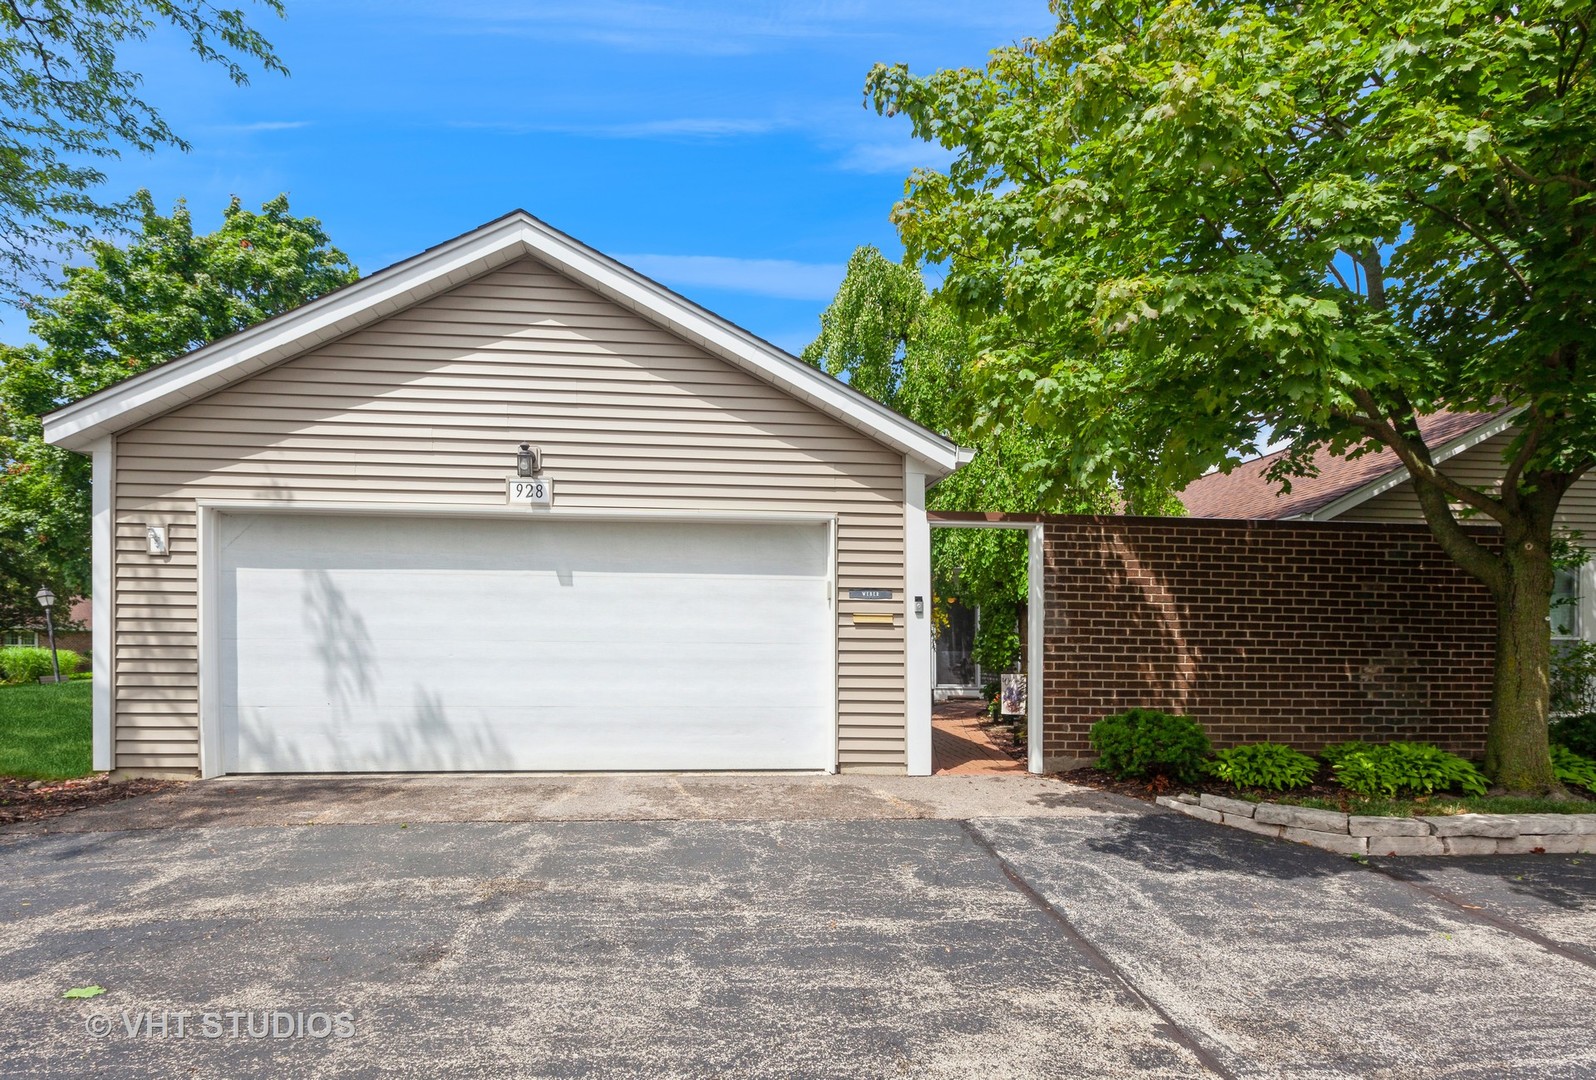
1516,754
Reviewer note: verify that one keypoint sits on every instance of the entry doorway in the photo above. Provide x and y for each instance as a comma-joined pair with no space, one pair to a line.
957,673
962,738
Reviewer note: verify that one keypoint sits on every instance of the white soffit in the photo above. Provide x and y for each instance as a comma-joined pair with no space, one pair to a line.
437,270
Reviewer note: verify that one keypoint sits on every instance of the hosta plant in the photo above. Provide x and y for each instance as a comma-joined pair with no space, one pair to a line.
1404,768
1264,765
1574,769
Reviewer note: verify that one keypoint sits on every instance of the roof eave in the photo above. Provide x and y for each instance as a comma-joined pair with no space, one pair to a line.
1400,475
517,235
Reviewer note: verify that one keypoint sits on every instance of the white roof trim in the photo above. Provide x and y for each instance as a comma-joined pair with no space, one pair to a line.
1399,476
517,235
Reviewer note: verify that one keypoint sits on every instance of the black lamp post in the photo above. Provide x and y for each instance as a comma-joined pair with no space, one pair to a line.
46,600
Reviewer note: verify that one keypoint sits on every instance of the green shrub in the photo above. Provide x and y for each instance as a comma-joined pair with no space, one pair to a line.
991,693
1406,768
1145,742
1332,754
1574,769
1264,765
1573,677
1578,733
21,664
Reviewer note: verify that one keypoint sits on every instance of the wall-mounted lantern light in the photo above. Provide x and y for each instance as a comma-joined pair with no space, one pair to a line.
527,461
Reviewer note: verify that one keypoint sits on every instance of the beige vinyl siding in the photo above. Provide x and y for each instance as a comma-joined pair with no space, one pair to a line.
1479,466
428,405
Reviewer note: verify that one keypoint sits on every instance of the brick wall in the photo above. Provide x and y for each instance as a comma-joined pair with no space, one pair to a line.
1297,632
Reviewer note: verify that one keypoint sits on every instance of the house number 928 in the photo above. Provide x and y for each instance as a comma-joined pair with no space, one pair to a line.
530,491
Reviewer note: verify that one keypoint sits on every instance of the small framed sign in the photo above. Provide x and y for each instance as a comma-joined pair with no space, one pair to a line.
869,594
532,490
156,536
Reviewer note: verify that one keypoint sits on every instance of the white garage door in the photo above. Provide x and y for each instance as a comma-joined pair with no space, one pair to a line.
359,644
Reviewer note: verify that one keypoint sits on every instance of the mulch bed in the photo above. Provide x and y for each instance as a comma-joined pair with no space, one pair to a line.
1002,733
33,800
1150,789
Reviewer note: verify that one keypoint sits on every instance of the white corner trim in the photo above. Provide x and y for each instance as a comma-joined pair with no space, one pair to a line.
215,366
1036,615
1587,601
833,536
102,601
1399,476
917,627
212,744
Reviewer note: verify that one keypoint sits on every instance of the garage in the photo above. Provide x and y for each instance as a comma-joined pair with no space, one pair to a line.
356,644
506,505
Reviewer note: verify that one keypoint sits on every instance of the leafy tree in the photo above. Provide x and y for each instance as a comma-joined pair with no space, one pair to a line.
1190,223
894,341
65,103
166,293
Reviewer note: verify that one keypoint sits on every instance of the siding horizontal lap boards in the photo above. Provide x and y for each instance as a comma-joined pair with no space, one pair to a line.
1478,467
428,405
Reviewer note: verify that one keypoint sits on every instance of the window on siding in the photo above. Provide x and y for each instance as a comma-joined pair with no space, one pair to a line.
1565,604
13,638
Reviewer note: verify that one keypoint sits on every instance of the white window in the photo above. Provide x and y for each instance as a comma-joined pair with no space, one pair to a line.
1572,602
12,638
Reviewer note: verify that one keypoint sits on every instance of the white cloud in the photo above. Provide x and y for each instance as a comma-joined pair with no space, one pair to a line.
780,278
684,127
731,27
264,125
708,127
894,157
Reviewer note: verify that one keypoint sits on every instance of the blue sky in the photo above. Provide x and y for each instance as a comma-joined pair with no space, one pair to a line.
721,147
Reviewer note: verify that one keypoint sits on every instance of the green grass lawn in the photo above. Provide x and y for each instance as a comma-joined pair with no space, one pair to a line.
46,730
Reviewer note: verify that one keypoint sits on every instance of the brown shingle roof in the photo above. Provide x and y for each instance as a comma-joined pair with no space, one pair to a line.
1245,493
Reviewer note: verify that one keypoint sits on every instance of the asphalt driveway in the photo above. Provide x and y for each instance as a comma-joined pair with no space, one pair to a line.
768,926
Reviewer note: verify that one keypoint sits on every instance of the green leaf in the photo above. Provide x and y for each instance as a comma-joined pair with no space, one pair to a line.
1191,227
137,303
84,992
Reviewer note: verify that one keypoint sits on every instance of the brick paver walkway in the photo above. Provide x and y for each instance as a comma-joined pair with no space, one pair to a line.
961,746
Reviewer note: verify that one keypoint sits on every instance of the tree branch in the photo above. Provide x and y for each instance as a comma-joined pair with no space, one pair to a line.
1526,451
1565,76
1341,279
1431,489
1541,181
1415,456
1374,276
1491,245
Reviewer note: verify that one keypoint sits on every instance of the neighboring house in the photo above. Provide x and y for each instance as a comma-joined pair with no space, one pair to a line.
1377,488
79,639
314,550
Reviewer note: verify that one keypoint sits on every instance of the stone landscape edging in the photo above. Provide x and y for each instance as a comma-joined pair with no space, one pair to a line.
1353,834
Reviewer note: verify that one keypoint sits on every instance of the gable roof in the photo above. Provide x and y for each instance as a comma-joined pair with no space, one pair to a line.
1341,483
514,236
